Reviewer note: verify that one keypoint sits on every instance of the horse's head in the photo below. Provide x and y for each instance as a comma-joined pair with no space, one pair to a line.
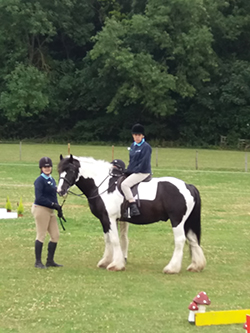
68,169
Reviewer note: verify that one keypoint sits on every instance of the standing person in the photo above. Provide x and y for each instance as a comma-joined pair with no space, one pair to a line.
139,167
43,212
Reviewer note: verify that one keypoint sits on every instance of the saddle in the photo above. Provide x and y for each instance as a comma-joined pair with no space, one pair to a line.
134,190
117,173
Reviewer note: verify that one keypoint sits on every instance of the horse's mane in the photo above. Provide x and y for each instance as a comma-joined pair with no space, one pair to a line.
88,165
93,167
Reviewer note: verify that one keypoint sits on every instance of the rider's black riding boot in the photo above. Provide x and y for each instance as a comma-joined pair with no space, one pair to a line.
134,211
38,253
50,259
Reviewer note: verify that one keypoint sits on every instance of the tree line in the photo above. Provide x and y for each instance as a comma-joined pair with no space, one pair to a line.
86,70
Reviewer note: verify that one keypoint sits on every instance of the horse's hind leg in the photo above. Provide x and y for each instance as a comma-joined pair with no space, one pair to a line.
198,258
108,253
124,238
174,265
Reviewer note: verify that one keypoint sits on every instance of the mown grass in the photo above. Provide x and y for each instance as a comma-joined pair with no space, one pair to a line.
82,298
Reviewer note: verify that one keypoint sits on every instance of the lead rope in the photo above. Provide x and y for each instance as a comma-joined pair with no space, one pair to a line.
63,218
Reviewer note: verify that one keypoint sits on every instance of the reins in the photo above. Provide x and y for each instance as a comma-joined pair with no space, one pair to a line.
62,218
80,195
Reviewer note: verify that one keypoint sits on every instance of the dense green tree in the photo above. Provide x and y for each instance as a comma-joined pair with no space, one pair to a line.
89,69
25,92
221,105
144,64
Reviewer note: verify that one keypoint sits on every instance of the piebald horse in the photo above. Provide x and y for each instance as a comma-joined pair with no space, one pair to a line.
160,199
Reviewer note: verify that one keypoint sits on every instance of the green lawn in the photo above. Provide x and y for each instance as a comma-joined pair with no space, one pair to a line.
82,298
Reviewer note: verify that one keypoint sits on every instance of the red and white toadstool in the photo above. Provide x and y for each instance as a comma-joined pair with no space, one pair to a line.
245,326
193,307
202,301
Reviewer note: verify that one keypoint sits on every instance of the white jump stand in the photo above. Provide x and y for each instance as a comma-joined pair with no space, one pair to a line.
7,215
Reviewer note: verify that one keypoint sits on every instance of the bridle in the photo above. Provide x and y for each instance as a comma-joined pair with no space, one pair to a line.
80,195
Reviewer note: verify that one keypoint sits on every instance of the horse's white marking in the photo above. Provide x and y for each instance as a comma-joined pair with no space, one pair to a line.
61,181
148,190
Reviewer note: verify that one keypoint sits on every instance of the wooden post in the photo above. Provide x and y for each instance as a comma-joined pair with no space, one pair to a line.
68,148
196,160
112,157
245,161
20,151
156,157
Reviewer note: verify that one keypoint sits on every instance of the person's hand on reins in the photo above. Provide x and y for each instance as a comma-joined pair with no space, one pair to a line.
59,211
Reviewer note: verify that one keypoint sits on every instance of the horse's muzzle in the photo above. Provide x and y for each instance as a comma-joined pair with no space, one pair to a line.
62,193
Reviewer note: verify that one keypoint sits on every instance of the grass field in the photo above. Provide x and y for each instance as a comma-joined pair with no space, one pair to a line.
82,298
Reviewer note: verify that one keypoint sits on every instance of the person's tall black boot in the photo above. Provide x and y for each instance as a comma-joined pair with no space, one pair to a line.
51,251
38,254
134,211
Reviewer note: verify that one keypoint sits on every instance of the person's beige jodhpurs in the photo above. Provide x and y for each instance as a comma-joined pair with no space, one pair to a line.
130,181
45,222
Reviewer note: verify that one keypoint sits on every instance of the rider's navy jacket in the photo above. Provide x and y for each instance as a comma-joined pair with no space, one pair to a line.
45,191
140,158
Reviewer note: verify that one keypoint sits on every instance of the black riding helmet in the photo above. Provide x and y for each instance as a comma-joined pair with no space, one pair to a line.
119,164
45,162
137,129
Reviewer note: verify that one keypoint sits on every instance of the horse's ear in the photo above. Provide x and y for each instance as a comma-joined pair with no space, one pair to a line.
71,158
61,157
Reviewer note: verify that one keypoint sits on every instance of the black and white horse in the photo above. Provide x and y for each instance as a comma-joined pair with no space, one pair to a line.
160,199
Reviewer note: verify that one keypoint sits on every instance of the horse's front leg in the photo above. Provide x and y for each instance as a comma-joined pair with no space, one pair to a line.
118,262
108,253
174,265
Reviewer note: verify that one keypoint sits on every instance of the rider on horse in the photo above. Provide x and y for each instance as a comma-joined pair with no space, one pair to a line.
139,167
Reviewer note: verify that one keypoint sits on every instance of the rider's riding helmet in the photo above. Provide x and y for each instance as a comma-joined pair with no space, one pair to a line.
45,162
119,164
137,129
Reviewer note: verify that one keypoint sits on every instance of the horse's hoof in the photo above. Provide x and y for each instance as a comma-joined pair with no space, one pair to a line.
170,272
103,264
192,268
115,268
167,270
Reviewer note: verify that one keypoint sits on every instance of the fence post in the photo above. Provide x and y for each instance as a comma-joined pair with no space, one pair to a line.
196,160
156,157
112,157
68,148
20,151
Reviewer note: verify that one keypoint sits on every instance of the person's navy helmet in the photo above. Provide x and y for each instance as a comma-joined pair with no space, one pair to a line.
45,162
137,129
119,164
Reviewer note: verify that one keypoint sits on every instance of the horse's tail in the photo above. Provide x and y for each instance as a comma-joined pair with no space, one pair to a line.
193,222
